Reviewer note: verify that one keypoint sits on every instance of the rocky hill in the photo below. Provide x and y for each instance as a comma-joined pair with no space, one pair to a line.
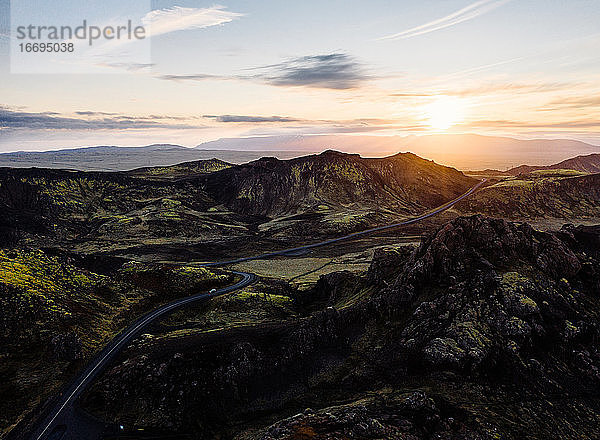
587,164
487,330
271,187
549,193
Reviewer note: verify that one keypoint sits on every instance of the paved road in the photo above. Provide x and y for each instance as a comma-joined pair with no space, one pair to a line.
349,236
61,414
115,346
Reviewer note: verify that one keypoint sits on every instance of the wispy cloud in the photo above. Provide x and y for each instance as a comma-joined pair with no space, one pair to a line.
578,102
469,12
567,124
243,118
84,120
124,54
337,71
193,77
177,18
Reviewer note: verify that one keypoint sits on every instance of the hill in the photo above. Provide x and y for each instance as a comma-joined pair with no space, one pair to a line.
566,194
56,313
332,180
587,164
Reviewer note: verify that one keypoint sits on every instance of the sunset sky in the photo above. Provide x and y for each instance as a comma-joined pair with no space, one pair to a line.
522,68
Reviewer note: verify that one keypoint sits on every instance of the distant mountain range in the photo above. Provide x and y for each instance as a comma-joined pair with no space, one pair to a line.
462,151
466,152
114,158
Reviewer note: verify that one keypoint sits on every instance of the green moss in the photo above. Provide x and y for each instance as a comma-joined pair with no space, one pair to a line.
528,302
250,296
470,333
33,273
513,287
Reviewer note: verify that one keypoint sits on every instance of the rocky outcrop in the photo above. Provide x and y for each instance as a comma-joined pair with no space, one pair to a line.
66,346
392,416
470,244
485,311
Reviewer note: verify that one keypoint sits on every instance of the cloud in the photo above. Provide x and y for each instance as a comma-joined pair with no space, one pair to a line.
469,12
192,77
91,113
177,18
118,53
498,88
238,118
512,87
342,126
130,67
336,71
332,71
12,119
570,124
579,102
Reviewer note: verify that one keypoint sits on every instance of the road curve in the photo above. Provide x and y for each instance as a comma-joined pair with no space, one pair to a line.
352,235
113,348
109,352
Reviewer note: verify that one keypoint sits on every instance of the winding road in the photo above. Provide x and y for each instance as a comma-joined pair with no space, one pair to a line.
117,344
437,210
56,424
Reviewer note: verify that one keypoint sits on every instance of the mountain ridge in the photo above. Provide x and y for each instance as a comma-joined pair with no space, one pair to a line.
270,186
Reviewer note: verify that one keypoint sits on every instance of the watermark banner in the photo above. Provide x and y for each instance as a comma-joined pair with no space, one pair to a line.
72,36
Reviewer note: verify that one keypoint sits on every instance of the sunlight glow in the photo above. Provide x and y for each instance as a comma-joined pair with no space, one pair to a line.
444,112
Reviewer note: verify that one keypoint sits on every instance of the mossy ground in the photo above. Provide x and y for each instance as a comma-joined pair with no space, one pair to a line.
564,194
44,296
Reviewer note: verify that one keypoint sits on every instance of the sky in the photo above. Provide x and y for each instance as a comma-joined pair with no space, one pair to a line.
238,68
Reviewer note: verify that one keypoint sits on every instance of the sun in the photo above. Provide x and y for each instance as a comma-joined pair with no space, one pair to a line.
444,112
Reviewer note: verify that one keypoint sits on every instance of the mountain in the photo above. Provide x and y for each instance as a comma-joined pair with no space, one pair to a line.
487,330
271,187
587,164
113,158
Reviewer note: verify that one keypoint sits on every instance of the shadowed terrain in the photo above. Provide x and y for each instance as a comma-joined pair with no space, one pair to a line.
453,327
486,330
